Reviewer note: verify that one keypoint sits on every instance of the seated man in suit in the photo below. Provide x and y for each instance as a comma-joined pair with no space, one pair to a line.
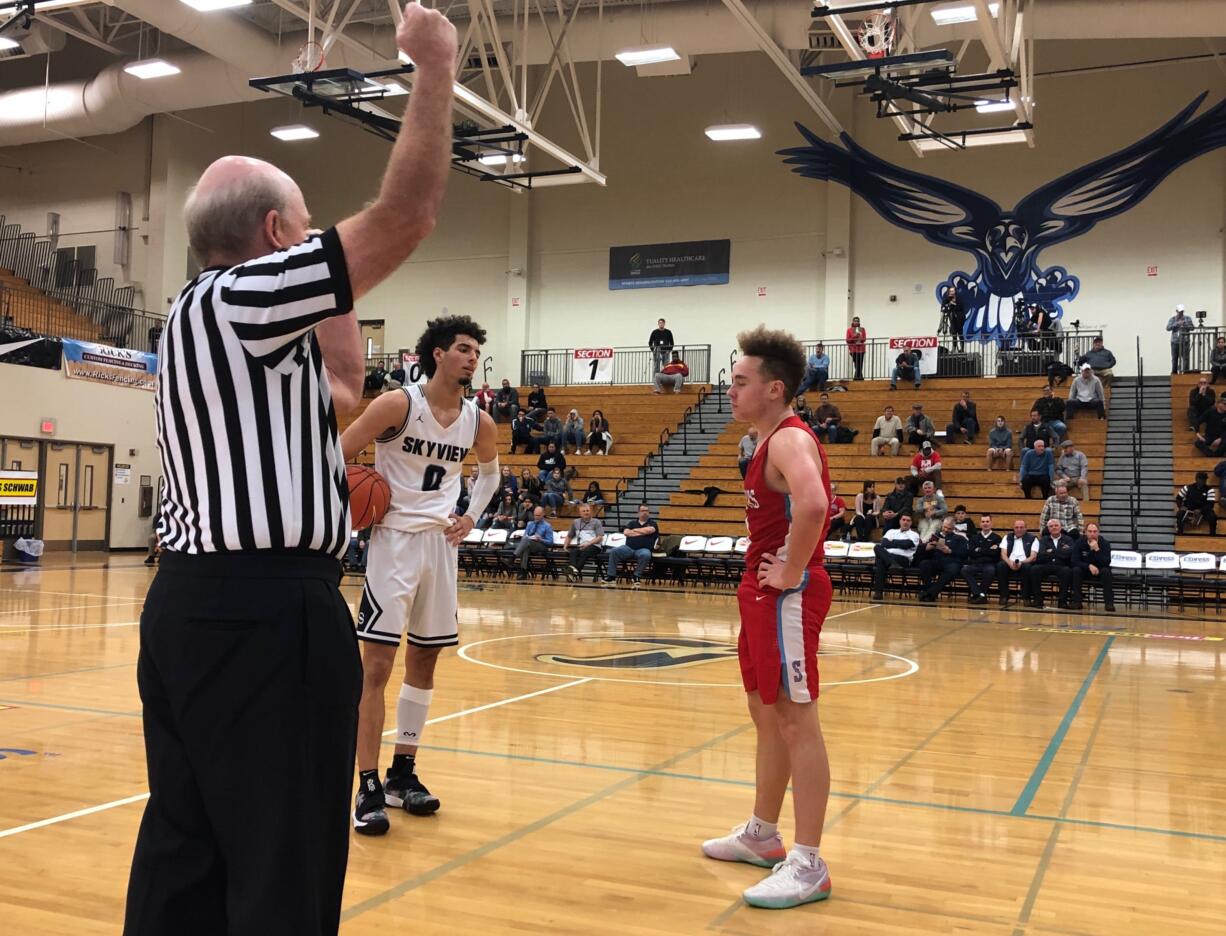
1054,560
1092,563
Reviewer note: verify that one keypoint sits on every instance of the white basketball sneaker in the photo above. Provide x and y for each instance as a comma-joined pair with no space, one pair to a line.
738,846
791,884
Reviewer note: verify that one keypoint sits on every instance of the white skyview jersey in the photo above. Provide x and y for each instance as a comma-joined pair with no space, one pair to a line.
423,463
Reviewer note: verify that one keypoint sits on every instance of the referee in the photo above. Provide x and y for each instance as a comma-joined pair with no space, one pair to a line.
248,669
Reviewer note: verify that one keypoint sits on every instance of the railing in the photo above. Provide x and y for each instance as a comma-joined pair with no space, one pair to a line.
719,400
1200,347
1025,356
389,362
555,367
80,318
1134,495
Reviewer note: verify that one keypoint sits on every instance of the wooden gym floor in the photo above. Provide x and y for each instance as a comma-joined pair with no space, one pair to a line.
993,772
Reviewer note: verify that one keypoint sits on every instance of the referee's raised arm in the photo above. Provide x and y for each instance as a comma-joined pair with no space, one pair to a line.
248,669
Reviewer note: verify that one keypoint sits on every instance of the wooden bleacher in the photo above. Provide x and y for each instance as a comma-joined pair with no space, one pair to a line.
28,307
636,416
1186,461
964,477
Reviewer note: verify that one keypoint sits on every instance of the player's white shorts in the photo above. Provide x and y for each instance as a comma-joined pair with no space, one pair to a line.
410,585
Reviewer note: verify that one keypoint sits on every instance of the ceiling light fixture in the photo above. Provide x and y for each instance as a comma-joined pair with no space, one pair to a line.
933,144
500,159
151,68
292,132
208,6
733,132
647,55
993,107
7,44
952,15
44,6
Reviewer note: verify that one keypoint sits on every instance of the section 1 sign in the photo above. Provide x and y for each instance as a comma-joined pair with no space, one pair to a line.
926,346
592,365
119,367
689,263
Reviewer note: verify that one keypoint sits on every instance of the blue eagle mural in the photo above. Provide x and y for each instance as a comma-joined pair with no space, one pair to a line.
1006,244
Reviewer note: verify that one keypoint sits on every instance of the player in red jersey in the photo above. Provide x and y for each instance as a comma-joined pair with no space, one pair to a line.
784,598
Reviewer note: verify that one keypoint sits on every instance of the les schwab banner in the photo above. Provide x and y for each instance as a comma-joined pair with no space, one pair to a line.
18,488
119,367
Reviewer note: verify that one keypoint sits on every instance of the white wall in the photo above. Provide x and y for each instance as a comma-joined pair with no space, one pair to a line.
88,412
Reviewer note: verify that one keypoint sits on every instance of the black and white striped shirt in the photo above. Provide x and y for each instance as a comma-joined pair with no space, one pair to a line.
245,421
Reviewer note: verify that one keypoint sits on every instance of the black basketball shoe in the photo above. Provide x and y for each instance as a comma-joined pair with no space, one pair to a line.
370,810
411,793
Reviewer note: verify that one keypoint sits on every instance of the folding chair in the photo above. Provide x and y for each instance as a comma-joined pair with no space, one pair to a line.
718,558
690,551
1126,566
1196,577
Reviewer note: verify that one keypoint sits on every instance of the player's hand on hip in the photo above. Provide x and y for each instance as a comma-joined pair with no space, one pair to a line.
428,38
773,572
460,528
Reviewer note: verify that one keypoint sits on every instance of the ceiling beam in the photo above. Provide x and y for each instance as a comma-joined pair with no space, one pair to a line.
77,33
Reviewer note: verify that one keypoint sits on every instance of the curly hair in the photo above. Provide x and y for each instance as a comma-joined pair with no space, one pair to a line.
783,357
441,333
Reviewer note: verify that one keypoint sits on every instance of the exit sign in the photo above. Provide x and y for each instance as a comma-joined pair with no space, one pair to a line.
1151,271
47,427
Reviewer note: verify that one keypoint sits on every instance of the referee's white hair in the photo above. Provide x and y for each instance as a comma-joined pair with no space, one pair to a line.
225,210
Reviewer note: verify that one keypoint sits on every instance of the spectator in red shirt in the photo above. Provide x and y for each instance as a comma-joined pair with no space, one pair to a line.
838,528
926,466
485,398
672,374
856,339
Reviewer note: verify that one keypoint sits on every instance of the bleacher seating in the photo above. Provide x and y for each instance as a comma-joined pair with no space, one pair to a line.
26,307
1186,461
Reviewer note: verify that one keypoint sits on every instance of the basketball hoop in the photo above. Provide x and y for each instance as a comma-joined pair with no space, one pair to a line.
310,58
876,35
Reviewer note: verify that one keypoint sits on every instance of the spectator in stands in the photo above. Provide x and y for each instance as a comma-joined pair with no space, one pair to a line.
660,341
537,539
672,374
500,516
641,537
1000,445
556,491
529,484
1018,551
962,523
550,459
930,510
507,483
1037,469
1180,327
964,423
551,429
817,372
525,511
1051,411
598,438
868,512
1200,400
802,411
1036,429
1196,502
594,496
506,402
857,342
896,504
838,528
395,380
1086,393
925,466
461,504
355,556
1063,507
1092,563
954,314
907,367
827,419
572,432
982,557
484,398
1209,441
523,433
745,449
582,541
919,428
1217,358
887,432
896,550
1073,468
940,560
1054,560
537,403
1100,359
374,379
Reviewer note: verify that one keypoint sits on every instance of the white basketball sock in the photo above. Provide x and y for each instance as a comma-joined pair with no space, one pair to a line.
809,855
759,829
411,712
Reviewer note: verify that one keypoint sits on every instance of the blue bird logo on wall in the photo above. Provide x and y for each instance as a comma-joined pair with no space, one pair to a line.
1006,244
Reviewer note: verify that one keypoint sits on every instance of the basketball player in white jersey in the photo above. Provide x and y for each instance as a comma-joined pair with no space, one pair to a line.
422,435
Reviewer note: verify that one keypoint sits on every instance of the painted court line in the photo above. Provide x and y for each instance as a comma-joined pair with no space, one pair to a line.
30,826
93,607
36,629
1053,746
500,702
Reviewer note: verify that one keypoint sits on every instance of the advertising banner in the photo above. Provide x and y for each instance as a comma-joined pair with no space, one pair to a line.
119,367
689,263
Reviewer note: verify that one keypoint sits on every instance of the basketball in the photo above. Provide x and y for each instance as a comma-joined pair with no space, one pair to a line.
369,495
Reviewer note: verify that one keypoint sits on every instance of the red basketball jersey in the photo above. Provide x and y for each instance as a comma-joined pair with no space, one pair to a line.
768,514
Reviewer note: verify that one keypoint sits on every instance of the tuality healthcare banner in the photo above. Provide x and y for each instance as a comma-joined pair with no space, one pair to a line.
119,367
689,263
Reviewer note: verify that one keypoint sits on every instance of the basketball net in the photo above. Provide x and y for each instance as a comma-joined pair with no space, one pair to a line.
310,58
876,35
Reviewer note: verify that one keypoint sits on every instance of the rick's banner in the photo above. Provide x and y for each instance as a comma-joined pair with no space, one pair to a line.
119,367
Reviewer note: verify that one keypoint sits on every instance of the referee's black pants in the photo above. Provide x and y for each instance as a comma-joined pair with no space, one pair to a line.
250,678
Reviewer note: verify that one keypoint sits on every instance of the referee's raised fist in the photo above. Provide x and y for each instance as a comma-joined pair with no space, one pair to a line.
428,38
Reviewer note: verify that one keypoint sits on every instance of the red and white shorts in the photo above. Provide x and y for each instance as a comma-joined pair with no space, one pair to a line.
779,637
